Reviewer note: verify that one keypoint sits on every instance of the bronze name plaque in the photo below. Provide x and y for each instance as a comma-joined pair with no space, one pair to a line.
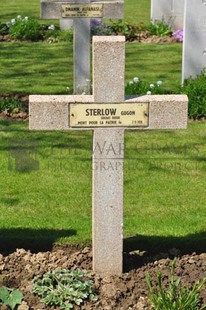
109,115
82,10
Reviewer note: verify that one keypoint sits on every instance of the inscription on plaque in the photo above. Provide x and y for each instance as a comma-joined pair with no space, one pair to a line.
82,10
109,115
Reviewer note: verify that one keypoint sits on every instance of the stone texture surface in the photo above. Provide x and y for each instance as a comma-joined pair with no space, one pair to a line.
171,11
165,111
65,23
52,112
108,160
194,49
108,154
81,51
109,68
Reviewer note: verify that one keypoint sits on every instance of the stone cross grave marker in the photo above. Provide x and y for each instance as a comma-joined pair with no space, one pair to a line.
108,114
194,43
81,11
171,11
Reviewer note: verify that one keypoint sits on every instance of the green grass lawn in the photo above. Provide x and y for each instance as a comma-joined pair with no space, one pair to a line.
46,177
40,68
35,68
48,68
164,185
135,11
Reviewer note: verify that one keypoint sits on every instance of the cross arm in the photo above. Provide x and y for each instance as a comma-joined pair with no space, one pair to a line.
52,9
165,111
53,112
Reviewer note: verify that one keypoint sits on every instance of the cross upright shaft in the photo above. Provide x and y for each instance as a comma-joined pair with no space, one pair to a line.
52,9
108,152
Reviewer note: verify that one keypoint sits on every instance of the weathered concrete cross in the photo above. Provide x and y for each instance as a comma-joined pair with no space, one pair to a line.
81,11
108,114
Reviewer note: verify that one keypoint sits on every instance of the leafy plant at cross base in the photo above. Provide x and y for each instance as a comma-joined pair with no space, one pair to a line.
175,297
64,288
10,297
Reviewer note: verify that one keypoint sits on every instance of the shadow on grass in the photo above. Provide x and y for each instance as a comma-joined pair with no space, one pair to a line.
140,249
35,240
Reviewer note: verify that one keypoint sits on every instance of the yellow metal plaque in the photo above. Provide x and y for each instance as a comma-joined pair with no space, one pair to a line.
109,115
82,10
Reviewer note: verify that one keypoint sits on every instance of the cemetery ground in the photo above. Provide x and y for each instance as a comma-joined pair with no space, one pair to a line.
45,180
46,210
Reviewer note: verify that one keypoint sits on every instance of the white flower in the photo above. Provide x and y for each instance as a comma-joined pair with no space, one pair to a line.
13,21
151,86
26,18
19,17
149,92
131,83
8,24
159,83
51,27
136,79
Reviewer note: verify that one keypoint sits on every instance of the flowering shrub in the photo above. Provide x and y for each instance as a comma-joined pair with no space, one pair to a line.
25,29
178,35
195,89
140,87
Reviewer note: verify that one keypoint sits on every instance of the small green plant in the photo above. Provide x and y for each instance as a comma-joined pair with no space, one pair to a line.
159,28
66,35
25,29
195,89
10,297
10,105
175,297
4,29
64,288
140,87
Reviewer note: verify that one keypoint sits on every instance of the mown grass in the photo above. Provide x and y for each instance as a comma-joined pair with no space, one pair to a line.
47,68
135,11
164,186
36,68
13,8
153,62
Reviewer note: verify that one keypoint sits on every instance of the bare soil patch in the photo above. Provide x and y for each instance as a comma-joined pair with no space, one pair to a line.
128,291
